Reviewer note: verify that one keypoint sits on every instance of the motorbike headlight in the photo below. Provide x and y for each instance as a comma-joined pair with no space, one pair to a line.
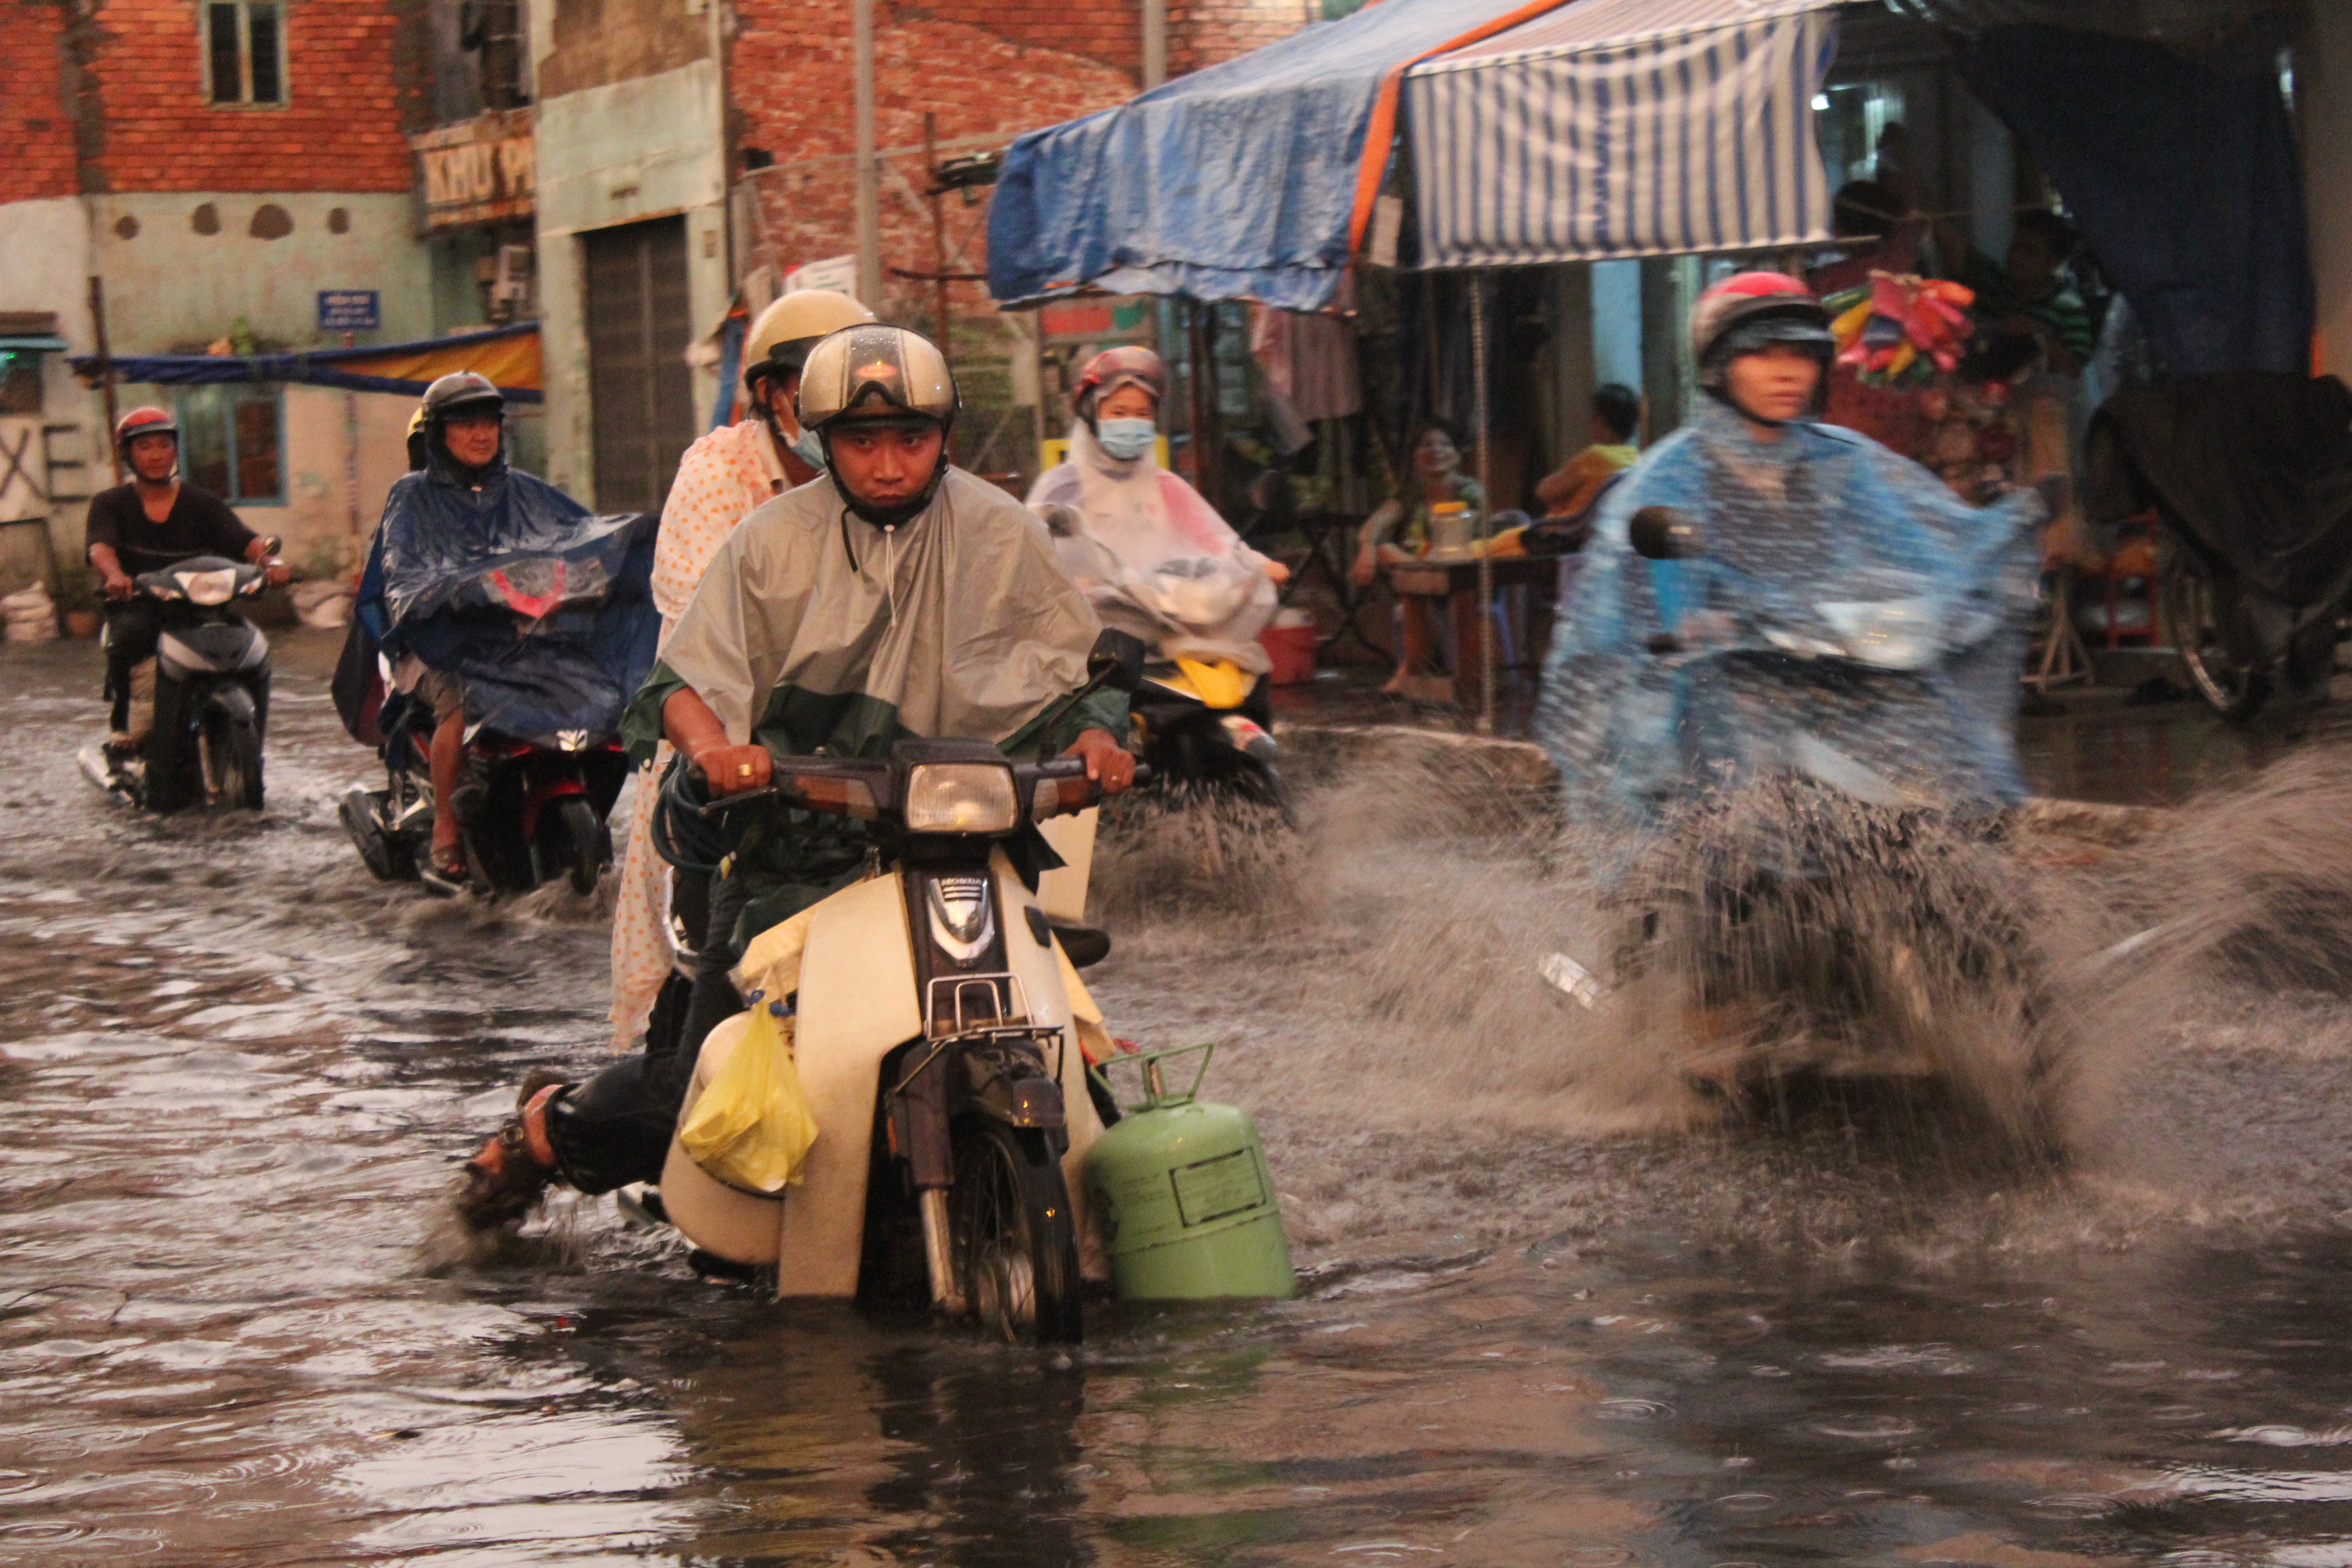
208,587
961,797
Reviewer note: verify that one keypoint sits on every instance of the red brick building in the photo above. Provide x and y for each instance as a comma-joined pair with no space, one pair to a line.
984,72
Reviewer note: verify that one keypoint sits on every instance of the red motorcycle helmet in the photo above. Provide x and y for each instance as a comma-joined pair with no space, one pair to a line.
1745,313
141,422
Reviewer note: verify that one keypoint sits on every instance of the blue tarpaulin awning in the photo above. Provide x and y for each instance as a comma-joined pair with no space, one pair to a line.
1239,182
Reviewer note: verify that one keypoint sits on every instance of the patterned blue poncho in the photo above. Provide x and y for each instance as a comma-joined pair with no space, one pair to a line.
1850,619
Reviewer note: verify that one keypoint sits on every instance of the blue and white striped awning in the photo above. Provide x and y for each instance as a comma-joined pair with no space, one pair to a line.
1618,128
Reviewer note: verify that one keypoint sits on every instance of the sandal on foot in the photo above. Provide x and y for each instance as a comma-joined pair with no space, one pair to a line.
444,873
506,1180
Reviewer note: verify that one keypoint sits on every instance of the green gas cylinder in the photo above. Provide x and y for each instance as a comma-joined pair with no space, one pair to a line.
1187,1205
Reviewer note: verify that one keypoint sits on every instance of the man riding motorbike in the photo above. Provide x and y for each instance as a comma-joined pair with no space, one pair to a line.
464,469
1810,531
896,596
722,478
158,519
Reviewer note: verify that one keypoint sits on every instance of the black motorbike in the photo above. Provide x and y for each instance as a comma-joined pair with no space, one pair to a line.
212,696
1207,730
529,811
531,807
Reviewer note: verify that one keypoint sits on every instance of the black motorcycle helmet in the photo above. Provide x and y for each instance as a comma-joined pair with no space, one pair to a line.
458,393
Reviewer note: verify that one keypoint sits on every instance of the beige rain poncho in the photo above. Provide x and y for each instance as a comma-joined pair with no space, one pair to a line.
812,628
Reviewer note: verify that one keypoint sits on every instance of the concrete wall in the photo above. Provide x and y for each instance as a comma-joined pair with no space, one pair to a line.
643,147
170,285
45,264
2323,93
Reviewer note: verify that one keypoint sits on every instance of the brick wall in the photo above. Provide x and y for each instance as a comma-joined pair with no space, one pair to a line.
1029,65
793,93
35,120
1200,32
339,131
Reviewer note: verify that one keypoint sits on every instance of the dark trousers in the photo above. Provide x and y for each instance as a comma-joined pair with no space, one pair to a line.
134,626
616,1128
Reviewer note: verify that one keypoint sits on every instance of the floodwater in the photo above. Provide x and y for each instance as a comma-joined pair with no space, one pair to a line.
235,1075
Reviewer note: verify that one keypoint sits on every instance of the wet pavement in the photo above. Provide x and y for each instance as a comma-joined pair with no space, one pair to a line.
234,1074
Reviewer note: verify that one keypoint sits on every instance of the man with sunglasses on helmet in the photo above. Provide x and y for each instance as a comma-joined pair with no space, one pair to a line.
157,520
895,595
723,476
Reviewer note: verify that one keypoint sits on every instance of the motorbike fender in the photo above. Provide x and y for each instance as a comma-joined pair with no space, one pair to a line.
234,701
1062,893
852,964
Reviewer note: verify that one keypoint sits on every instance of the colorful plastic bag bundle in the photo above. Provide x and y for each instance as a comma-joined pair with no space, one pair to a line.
1901,331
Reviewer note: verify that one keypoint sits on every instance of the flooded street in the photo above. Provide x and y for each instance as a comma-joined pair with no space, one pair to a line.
237,1075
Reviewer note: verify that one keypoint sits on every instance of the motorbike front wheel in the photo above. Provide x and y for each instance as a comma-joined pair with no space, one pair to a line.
583,843
1012,1235
231,756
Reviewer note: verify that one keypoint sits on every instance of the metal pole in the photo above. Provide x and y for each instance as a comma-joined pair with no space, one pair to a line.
868,181
1155,43
105,371
938,228
1486,621
351,446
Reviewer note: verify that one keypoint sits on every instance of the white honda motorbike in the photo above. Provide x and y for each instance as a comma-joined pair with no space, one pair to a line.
940,1038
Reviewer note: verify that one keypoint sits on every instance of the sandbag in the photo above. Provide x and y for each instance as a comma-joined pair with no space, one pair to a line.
752,1128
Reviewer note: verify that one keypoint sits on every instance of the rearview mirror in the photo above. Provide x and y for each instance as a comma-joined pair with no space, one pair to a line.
1664,533
1116,661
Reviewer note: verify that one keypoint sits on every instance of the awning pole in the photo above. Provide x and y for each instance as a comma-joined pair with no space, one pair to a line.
1155,43
1486,621
868,186
105,371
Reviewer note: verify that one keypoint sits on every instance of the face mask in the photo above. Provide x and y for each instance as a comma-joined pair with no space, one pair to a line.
809,449
1125,439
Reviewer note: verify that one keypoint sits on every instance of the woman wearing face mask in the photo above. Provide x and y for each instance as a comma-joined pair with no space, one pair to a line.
1669,680
1151,555
720,479
1400,532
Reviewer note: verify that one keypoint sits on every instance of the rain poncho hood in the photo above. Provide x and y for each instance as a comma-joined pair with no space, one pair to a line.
1153,558
813,629
542,609
1851,619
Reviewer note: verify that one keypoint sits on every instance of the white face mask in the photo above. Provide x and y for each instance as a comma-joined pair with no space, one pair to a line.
1125,439
809,449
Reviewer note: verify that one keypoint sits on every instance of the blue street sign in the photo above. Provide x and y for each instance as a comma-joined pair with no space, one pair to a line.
347,309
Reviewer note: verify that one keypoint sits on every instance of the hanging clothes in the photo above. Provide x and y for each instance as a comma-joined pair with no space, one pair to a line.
1309,358
723,476
1153,558
1818,541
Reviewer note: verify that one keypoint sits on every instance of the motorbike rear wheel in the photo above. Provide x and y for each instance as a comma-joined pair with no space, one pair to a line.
2216,646
230,750
1011,1234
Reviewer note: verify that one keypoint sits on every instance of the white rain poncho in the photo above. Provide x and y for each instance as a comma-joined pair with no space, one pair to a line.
815,629
1153,558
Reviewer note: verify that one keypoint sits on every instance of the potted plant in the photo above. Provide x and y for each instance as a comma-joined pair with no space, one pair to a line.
77,597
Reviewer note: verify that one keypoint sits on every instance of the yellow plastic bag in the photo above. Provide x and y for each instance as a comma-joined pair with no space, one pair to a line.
752,1129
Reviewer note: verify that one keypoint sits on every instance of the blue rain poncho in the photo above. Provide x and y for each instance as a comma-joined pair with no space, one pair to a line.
542,609
1850,620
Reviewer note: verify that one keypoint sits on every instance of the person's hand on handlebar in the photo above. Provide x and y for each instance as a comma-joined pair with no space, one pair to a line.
726,767
119,585
1107,763
731,769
